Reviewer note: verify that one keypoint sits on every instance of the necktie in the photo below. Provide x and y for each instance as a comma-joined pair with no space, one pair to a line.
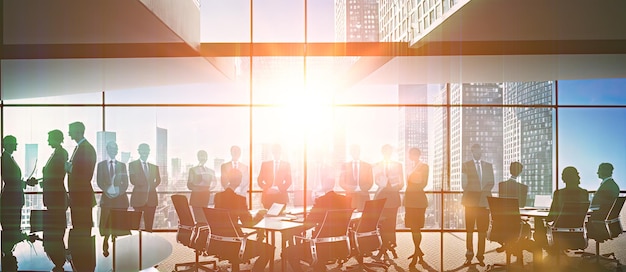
145,169
275,170
111,171
235,165
479,170
355,171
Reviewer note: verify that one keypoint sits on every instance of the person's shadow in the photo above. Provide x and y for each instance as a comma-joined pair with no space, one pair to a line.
424,265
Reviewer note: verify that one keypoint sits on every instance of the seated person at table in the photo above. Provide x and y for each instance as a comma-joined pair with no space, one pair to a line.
236,204
606,194
512,188
329,201
572,193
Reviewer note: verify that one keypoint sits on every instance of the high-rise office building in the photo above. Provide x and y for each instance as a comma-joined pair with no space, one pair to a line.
413,127
356,21
161,153
528,134
102,138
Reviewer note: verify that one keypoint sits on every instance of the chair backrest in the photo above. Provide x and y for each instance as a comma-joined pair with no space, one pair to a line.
371,215
506,221
568,230
614,225
221,223
331,238
513,190
181,205
335,224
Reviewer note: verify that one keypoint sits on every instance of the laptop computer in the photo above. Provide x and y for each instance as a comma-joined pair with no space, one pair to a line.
543,202
275,210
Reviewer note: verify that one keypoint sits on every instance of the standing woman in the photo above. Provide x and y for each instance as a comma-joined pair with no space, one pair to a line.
12,197
54,192
415,202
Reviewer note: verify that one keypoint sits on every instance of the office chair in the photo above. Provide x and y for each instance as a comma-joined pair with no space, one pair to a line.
513,189
330,241
188,229
226,239
365,237
568,230
607,229
506,228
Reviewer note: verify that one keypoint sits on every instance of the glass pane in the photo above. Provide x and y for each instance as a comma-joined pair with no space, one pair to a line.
588,137
175,135
606,91
278,21
232,17
278,80
50,99
321,21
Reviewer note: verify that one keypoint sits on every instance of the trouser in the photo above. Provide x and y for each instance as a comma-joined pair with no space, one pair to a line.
148,216
476,217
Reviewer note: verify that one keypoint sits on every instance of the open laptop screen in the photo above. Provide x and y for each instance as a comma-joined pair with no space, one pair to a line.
543,201
275,209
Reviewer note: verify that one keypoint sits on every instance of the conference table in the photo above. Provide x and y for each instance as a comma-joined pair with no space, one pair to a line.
283,224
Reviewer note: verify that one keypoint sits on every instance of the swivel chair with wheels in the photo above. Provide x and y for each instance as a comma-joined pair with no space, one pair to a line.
604,230
365,236
506,228
187,230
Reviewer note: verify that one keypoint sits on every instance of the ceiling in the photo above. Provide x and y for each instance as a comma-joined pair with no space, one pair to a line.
121,44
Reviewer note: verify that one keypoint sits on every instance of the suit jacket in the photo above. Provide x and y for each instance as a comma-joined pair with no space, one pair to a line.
200,181
513,189
414,196
237,206
13,190
79,179
227,170
53,185
563,196
144,188
121,181
473,194
282,181
604,198
389,183
330,201
348,181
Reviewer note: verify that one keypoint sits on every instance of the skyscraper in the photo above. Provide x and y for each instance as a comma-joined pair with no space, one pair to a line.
356,21
161,153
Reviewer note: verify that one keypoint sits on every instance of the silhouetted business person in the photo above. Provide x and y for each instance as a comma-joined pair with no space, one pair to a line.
389,177
235,168
477,182
54,193
274,179
356,178
80,170
12,197
415,203
200,181
144,177
606,193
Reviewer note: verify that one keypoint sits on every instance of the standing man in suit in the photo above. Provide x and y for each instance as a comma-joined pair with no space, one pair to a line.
144,177
235,168
201,180
112,178
389,177
356,178
53,185
80,172
477,181
606,194
512,188
274,179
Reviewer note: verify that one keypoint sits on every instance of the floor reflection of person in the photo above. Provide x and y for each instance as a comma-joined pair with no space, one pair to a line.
236,168
54,192
80,170
274,179
415,202
12,196
477,182
144,177
201,180
389,177
112,178
10,238
356,178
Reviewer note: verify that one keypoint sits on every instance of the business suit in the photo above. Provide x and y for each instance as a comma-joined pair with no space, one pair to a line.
563,196
82,198
54,193
604,198
357,187
389,177
12,198
274,185
144,196
200,181
329,201
236,204
228,169
513,189
105,179
475,193
415,201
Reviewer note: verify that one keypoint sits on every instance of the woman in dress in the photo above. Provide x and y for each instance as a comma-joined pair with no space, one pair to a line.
415,202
